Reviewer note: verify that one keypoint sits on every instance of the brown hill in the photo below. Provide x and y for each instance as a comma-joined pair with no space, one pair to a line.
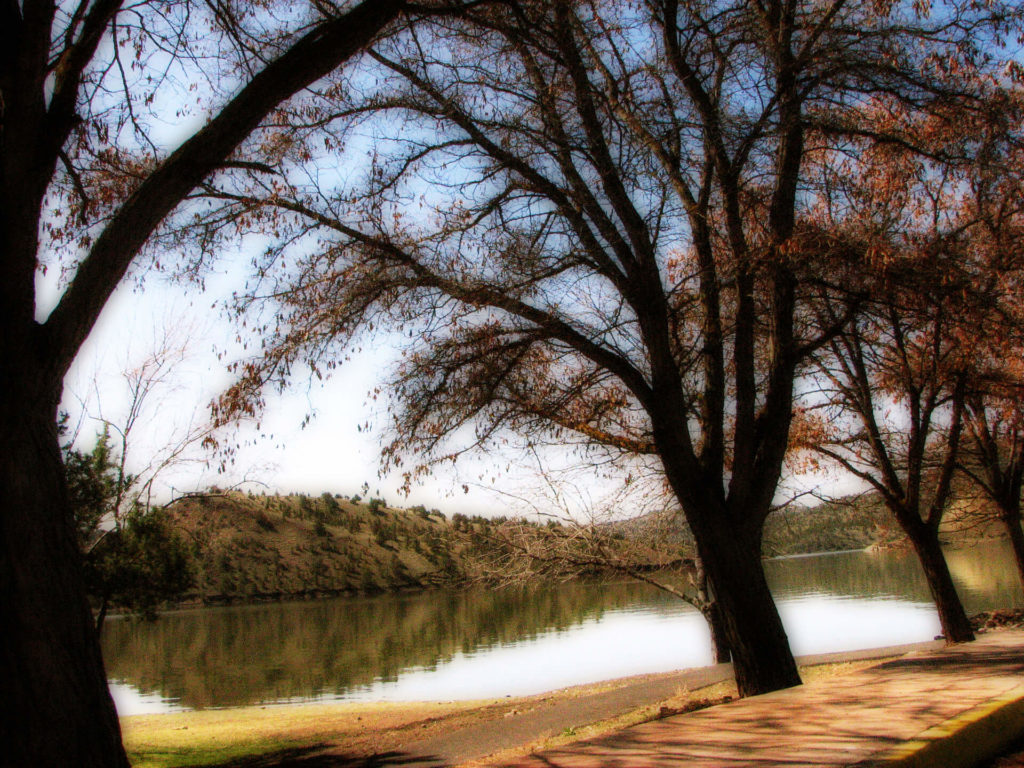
270,547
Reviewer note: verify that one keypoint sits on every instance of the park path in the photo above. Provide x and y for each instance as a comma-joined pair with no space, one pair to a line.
550,718
956,706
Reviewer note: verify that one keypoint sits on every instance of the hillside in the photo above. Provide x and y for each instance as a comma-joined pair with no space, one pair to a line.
248,548
861,521
850,523
270,547
853,522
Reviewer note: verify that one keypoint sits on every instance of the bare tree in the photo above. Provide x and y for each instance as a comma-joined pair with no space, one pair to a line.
592,221
993,459
632,529
993,454
897,380
76,79
152,390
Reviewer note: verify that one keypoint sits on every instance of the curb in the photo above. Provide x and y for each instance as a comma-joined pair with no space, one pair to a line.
964,741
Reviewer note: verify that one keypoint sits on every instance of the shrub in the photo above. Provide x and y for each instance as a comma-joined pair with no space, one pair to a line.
265,522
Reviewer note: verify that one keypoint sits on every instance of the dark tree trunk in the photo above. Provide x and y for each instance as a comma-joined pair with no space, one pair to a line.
956,627
1011,520
729,549
101,615
713,616
761,656
59,712
719,638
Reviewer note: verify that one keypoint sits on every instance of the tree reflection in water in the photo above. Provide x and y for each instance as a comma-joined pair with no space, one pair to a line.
336,648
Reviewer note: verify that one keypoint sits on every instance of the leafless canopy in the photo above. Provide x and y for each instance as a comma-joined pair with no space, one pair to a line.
594,218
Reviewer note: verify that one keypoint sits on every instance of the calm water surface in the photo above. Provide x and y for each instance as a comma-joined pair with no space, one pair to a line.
489,643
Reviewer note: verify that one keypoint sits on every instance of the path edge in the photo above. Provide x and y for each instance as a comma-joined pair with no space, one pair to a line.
964,741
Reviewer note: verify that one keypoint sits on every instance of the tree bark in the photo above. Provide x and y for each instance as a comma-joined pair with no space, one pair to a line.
1011,520
761,656
956,627
719,638
727,533
713,616
101,615
59,710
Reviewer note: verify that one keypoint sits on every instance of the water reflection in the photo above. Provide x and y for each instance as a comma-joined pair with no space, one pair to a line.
485,643
233,656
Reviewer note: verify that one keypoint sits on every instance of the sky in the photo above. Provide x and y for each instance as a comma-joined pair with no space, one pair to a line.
337,451
339,448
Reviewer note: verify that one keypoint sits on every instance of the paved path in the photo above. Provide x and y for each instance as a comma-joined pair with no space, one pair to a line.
940,708
553,717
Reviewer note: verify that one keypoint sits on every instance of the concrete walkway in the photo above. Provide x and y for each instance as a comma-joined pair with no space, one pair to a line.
550,718
946,708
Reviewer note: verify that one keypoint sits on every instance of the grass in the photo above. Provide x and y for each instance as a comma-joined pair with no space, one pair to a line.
231,736
223,737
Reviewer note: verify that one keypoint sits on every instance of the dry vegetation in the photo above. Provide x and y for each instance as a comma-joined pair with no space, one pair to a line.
271,547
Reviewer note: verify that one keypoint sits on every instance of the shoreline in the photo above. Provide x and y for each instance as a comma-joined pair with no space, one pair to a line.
314,595
467,731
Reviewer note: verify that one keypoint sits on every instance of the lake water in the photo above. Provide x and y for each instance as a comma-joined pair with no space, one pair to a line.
491,643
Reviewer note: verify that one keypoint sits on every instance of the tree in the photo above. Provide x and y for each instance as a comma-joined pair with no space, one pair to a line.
994,458
593,216
895,374
586,537
147,384
94,484
132,556
67,104
897,379
993,455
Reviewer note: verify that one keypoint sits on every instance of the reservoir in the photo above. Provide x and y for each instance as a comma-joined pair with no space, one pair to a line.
488,643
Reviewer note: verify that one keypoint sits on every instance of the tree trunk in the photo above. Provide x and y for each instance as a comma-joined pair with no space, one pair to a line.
713,616
1011,520
101,615
761,656
956,627
719,638
59,711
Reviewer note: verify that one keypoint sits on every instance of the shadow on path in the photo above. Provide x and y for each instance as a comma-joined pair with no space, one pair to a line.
856,719
959,661
318,756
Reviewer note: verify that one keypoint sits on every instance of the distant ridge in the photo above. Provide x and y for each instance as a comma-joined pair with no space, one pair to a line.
853,522
248,548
